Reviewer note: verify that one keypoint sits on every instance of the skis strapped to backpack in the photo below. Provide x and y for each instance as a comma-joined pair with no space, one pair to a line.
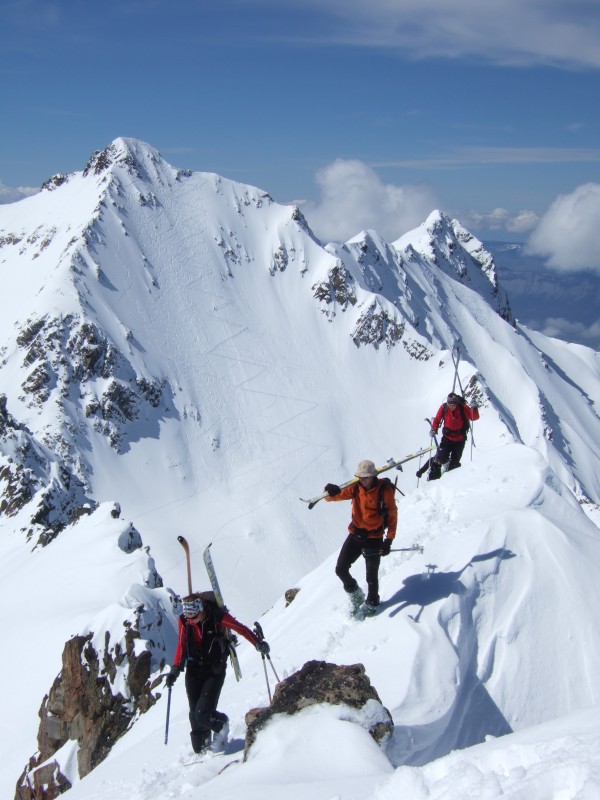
312,502
212,597
212,576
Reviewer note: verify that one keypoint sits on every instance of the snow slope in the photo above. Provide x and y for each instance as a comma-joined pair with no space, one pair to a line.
181,345
495,640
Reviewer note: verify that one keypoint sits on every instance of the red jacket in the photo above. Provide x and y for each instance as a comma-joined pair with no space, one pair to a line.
203,630
365,508
453,420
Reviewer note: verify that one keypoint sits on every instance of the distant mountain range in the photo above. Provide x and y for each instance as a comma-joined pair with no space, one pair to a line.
566,305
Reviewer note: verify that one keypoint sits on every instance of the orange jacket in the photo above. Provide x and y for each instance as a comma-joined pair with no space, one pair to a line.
365,511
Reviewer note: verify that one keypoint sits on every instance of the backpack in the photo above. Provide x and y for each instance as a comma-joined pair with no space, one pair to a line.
465,427
214,647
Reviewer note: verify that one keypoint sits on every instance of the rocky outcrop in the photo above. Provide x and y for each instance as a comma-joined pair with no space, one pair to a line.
336,292
376,326
92,703
316,683
61,353
30,473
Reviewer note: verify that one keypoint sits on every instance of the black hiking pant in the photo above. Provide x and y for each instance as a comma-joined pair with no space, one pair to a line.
351,551
203,684
448,452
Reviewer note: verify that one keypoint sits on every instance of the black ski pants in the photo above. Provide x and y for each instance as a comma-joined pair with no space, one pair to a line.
449,452
203,684
351,551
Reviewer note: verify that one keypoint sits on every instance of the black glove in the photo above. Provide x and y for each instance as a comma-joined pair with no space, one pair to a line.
332,489
263,648
432,433
386,547
172,676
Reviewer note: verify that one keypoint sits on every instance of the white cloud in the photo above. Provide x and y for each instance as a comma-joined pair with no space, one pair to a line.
561,328
500,219
353,198
508,32
11,195
568,234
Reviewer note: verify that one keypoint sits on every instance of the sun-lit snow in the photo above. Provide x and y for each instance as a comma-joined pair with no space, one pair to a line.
207,287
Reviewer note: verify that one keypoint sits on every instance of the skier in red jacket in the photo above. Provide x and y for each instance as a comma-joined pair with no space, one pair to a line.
455,414
202,650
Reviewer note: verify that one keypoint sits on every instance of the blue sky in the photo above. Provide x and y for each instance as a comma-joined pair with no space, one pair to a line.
370,113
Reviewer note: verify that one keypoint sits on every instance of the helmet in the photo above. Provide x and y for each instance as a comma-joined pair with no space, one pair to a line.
192,605
366,469
453,398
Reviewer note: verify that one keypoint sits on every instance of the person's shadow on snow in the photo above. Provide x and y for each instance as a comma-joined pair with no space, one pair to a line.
429,587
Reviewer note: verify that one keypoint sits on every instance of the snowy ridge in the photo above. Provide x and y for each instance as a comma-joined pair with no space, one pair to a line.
485,645
183,346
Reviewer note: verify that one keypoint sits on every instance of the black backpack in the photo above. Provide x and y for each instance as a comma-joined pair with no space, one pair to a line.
214,648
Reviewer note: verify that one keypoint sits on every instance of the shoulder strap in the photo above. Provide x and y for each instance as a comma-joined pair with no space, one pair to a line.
382,505
461,405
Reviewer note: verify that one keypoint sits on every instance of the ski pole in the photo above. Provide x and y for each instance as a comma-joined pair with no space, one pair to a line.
434,437
418,548
258,631
168,715
273,668
267,679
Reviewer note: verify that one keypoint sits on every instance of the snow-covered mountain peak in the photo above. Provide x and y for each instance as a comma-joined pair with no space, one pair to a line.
456,252
137,158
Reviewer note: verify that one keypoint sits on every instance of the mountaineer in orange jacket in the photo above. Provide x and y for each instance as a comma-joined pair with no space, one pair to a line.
373,510
455,414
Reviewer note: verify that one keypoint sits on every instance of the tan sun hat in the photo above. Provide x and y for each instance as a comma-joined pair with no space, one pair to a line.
366,469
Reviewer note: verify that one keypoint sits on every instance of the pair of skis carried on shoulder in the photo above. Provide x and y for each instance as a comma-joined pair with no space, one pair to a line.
390,464
212,576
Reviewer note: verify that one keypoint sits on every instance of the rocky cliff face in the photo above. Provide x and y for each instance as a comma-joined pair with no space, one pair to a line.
110,675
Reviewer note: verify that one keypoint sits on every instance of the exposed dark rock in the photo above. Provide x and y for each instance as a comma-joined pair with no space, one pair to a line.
19,487
290,595
44,783
280,260
54,182
130,540
83,511
83,706
65,356
336,291
417,350
376,326
319,682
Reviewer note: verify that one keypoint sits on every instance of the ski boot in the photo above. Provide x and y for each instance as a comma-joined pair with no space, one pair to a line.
420,472
371,605
220,726
435,471
200,741
357,598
